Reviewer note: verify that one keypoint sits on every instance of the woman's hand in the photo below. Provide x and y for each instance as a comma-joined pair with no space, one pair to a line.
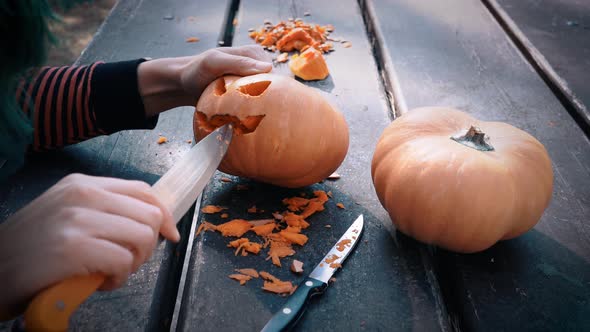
172,82
81,225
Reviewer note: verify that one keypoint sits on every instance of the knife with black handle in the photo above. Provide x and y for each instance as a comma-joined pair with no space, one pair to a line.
317,281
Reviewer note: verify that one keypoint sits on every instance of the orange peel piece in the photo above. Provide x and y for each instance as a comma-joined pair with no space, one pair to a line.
295,238
295,39
235,227
210,209
241,278
309,65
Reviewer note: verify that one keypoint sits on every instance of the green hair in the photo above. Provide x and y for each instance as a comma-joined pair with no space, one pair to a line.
23,27
26,36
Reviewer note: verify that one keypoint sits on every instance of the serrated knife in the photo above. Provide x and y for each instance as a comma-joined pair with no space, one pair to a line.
178,189
317,281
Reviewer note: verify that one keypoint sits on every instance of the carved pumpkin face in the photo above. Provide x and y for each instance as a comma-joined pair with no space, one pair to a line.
444,184
285,133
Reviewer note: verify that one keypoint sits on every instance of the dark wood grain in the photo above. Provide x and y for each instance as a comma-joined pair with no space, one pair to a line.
133,29
387,283
455,54
556,36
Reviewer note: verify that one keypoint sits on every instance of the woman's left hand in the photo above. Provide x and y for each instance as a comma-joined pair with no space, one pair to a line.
171,82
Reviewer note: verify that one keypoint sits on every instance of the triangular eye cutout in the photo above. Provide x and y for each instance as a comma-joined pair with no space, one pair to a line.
254,89
220,87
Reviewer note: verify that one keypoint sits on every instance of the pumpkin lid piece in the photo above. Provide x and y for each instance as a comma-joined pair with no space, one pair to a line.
309,65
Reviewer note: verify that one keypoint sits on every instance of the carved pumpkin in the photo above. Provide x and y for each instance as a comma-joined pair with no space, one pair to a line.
444,184
285,133
309,65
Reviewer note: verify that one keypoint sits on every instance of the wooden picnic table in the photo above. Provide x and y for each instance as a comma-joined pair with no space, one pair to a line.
405,54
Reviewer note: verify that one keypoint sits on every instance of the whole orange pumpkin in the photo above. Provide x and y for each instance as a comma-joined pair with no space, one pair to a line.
286,133
450,180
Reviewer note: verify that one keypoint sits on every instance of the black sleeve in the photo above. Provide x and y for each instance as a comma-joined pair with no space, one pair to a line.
115,98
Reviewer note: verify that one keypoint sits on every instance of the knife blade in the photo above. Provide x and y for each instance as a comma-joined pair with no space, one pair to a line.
178,188
317,281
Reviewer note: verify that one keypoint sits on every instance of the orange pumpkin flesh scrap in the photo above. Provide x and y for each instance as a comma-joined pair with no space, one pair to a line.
332,259
224,215
264,230
253,209
315,204
235,227
205,226
295,220
281,287
267,276
251,247
244,245
210,209
294,34
296,238
162,140
340,246
249,272
292,229
260,222
295,39
237,243
340,205
309,65
275,285
241,278
335,265
279,248
295,203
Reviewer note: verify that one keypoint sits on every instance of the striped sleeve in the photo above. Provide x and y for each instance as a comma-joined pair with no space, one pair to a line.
70,104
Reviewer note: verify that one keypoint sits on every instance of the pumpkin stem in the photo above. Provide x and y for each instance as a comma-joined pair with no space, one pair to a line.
475,139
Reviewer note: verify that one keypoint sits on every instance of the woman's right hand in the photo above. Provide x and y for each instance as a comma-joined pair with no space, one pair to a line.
81,225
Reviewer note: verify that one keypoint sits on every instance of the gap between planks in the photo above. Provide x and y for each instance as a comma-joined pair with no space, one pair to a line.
396,102
558,86
225,40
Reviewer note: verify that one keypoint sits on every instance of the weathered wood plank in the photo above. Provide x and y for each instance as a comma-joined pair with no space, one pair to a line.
133,29
387,283
556,36
454,53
